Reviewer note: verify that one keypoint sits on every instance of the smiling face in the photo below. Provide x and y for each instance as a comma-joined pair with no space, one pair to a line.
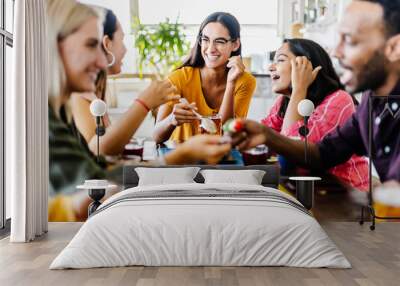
281,70
361,47
117,47
217,45
82,57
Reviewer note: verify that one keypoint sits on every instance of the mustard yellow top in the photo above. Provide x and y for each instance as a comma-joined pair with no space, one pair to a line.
188,83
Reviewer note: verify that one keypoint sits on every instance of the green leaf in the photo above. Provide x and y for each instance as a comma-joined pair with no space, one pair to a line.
160,47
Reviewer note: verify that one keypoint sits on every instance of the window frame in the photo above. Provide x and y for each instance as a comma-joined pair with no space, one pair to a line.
6,39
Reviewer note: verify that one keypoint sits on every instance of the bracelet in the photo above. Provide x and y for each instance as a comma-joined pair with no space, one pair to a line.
142,103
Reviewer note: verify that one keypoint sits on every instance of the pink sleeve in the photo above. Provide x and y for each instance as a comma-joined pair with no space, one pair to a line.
273,119
331,113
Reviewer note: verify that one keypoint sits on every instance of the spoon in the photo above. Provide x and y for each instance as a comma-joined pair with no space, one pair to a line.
206,123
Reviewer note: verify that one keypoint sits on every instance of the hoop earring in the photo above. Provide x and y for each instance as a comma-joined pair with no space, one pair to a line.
112,58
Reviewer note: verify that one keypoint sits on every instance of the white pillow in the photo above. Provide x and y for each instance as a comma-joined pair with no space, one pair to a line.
166,176
248,177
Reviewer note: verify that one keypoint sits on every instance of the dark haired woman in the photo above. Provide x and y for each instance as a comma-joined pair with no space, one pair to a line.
212,80
302,69
119,133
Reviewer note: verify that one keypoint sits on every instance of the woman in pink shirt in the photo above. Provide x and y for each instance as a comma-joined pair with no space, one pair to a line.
302,69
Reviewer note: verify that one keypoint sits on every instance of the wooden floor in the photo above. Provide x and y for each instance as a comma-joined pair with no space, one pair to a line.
375,257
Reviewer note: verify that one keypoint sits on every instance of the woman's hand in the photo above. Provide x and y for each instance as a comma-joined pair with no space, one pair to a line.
158,93
303,74
182,113
302,77
236,69
208,148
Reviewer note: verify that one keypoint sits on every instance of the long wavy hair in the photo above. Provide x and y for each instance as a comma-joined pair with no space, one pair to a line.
327,80
64,18
109,29
229,21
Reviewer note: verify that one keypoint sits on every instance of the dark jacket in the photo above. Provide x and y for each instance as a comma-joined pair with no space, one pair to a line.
71,162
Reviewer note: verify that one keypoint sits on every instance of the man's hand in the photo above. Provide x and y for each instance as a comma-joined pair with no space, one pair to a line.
253,134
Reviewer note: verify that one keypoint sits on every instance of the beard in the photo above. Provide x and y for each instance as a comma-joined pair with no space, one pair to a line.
373,74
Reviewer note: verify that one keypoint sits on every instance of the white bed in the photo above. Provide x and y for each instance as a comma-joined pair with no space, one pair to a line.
201,224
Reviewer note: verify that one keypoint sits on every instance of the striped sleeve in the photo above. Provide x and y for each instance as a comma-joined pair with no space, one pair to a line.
331,113
273,120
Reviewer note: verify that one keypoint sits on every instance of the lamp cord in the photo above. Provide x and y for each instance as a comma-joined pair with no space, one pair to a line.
98,121
305,150
305,139
98,149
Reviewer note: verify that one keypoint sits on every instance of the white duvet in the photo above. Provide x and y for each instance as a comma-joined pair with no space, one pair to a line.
188,231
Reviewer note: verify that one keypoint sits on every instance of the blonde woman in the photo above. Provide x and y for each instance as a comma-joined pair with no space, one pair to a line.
119,133
75,59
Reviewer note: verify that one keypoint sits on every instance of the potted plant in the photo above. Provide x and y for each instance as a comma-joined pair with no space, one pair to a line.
161,47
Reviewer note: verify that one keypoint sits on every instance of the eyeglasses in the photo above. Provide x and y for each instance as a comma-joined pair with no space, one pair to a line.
219,43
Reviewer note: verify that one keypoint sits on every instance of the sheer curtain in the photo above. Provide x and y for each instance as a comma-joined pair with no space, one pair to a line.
27,123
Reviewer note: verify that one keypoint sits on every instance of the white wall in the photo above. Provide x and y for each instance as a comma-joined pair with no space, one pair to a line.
119,7
194,11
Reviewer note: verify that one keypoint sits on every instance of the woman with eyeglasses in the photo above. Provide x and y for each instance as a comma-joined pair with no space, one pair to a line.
213,80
